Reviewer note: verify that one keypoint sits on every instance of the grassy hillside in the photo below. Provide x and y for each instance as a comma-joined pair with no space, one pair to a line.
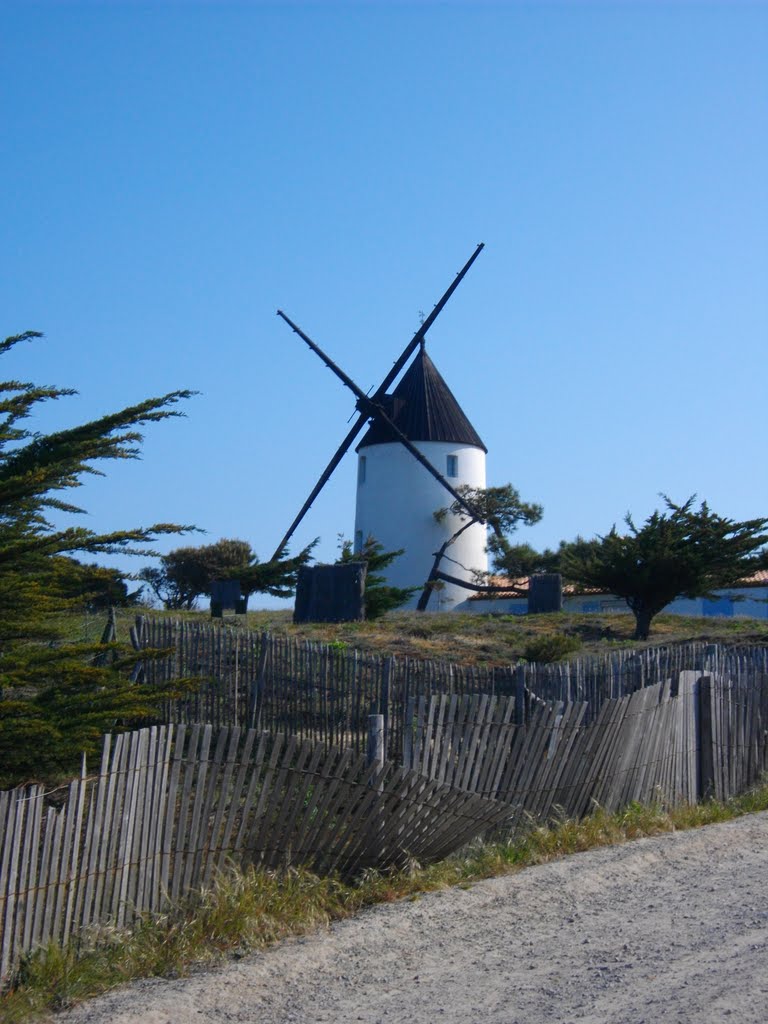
473,639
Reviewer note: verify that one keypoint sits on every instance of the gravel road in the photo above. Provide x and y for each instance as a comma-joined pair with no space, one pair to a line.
673,928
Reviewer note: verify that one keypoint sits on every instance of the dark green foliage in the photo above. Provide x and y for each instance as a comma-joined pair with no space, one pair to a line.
519,561
379,596
500,508
680,552
186,574
550,647
95,587
54,701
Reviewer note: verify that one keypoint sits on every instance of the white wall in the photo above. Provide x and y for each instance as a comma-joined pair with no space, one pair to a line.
754,604
396,505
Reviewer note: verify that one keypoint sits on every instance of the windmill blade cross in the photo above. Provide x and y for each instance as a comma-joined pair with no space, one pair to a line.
377,396
373,410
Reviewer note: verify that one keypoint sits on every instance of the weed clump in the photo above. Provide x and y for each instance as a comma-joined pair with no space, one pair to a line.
550,647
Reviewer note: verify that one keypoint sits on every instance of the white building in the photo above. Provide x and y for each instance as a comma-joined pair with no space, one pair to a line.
397,497
748,600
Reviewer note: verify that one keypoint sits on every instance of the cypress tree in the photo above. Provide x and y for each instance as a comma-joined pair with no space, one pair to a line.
380,597
680,552
57,697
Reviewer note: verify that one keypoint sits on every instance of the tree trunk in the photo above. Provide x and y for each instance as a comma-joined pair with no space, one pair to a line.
643,617
427,591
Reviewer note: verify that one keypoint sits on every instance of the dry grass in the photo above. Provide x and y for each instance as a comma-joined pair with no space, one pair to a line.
247,911
477,639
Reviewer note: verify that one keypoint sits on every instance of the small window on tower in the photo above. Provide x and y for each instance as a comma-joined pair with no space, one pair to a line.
453,466
358,541
361,469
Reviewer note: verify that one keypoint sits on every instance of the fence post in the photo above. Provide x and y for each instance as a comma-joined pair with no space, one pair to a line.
386,678
674,682
410,714
520,695
375,755
375,761
710,658
108,636
137,642
704,739
257,685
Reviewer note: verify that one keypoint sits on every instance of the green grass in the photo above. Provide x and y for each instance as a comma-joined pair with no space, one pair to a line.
247,911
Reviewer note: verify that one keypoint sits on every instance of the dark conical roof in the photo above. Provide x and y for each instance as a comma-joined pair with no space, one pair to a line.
424,408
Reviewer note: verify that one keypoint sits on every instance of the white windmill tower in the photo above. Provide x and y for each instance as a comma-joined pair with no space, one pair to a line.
419,448
397,497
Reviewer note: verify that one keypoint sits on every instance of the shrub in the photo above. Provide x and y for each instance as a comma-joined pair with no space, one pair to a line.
550,647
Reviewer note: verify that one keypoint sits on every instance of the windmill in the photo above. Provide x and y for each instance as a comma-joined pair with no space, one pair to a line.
414,437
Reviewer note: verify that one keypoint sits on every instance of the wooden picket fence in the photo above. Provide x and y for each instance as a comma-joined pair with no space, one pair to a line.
678,741
317,691
311,690
171,806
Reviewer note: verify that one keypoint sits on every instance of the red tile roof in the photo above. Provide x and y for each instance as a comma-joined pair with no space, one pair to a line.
758,579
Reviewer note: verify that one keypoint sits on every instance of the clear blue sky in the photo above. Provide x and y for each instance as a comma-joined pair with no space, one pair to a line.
171,174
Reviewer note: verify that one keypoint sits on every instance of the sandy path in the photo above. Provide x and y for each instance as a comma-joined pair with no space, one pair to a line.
667,929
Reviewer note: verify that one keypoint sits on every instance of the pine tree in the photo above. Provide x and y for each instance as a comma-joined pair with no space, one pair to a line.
379,596
683,552
500,508
55,701
187,573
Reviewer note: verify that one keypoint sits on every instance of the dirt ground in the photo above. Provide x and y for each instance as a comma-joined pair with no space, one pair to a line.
673,928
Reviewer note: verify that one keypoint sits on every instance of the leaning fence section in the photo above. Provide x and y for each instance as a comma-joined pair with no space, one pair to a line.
171,806
681,740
